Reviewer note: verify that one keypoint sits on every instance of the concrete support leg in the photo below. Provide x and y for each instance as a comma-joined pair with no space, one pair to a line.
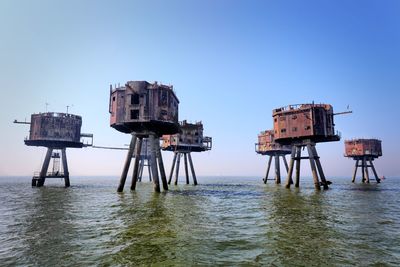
172,168
186,168
277,170
127,164
298,161
192,169
289,180
268,167
178,161
161,164
374,171
355,171
65,167
45,167
313,168
154,169
319,168
137,161
149,168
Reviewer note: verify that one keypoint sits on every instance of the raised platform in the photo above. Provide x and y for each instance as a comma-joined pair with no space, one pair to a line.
56,144
145,127
304,140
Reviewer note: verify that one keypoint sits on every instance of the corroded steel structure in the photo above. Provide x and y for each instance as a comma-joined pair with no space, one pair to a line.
303,126
57,132
363,151
267,146
189,139
145,110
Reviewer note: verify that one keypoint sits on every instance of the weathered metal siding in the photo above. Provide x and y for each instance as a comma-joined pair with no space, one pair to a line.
140,101
55,127
191,134
303,121
363,147
266,143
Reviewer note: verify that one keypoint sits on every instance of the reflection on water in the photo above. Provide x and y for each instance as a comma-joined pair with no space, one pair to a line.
224,221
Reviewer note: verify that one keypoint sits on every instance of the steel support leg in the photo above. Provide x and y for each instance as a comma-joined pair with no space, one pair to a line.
285,162
154,169
177,168
289,180
313,168
65,167
172,168
45,167
186,168
161,164
192,168
374,171
319,168
298,161
268,167
277,170
355,171
137,161
366,171
127,164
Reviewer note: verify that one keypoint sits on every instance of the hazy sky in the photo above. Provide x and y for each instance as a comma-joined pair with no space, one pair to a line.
231,63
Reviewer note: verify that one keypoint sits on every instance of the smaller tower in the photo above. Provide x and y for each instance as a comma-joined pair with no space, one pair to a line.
56,132
267,146
363,151
190,139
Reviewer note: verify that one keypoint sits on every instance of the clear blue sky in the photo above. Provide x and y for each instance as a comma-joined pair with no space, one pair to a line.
231,63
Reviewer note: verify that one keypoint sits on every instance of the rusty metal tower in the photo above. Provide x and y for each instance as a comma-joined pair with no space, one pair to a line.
267,146
190,139
363,151
144,110
302,126
56,132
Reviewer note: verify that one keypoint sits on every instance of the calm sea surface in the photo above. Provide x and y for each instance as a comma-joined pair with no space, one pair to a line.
227,221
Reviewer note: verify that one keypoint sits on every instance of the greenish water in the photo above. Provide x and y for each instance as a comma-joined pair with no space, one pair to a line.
228,221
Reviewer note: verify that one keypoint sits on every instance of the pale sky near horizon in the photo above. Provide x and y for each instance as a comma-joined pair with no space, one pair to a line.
231,63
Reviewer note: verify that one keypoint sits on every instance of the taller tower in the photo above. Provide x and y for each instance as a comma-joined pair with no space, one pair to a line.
144,110
303,126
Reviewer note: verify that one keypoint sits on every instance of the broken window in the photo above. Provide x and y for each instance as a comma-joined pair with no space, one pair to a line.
135,99
134,114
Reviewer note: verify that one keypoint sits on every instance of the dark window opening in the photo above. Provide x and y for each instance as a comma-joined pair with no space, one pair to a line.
134,114
294,129
135,99
294,117
113,98
275,120
283,130
307,128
